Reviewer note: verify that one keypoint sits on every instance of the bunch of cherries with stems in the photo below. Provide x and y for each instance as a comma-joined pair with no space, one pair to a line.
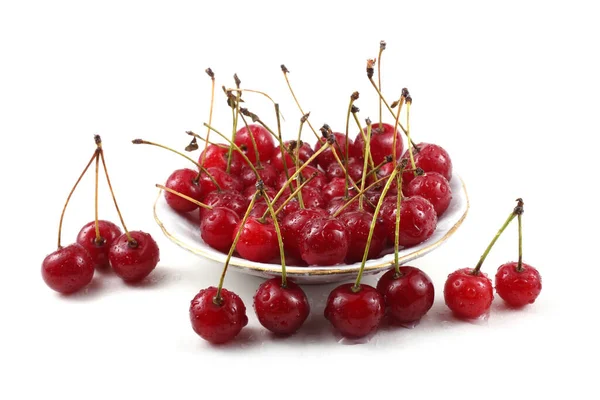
100,244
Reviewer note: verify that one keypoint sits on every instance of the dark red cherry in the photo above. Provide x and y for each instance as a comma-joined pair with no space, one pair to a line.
291,226
225,181
418,220
324,241
384,172
216,157
184,182
268,174
282,310
68,269
358,224
468,295
408,296
263,139
312,197
327,157
98,250
215,323
430,158
233,200
335,188
432,187
355,170
305,153
249,193
355,315
132,263
338,202
518,287
217,226
318,181
259,209
258,240
382,138
290,207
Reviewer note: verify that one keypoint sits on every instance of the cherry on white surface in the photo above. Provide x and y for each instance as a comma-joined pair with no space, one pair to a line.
509,89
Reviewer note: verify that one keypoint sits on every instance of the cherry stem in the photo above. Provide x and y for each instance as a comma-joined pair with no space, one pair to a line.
370,156
353,97
296,192
375,169
210,114
281,148
235,114
410,147
382,45
279,237
519,214
98,239
344,170
218,300
183,196
388,184
297,151
130,240
62,215
251,91
360,193
367,151
400,103
256,153
516,211
397,230
287,80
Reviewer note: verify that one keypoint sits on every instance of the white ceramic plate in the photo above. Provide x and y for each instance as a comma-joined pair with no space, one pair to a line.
184,231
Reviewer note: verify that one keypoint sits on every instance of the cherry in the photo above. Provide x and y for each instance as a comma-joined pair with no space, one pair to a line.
217,321
281,309
408,293
418,220
337,203
312,197
260,208
430,158
268,174
258,240
133,260
433,187
355,170
224,181
291,226
250,191
68,269
382,137
231,199
215,156
324,241
263,139
98,249
518,287
335,188
355,314
183,181
326,158
305,153
318,181
217,227
358,224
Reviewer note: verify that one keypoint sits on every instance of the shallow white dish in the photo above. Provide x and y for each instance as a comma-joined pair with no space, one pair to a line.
184,231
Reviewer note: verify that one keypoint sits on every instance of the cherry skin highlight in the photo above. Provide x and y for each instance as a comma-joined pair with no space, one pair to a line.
214,323
518,288
467,295
263,139
433,187
418,220
408,297
217,226
355,315
132,264
324,241
184,182
68,269
86,237
282,310
258,240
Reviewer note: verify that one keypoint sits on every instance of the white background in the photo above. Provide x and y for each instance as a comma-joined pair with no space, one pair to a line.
509,89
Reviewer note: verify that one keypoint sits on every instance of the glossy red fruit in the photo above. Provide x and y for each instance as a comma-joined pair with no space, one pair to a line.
312,198
225,181
468,295
327,157
184,182
282,310
233,200
305,153
418,220
409,296
86,237
134,263
355,170
214,323
338,202
335,188
216,157
259,209
433,187
324,241
292,225
68,269
268,174
355,315
249,193
318,181
518,287
358,224
430,158
258,240
263,139
382,140
217,226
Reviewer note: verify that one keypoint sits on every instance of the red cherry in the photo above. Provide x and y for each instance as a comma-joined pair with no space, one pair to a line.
408,296
290,207
68,269
217,323
134,263
258,240
259,209
291,226
184,182
355,315
384,172
338,202
249,193
312,197
86,237
355,170
432,187
268,174
263,139
282,310
430,158
518,287
358,224
305,153
382,139
216,157
318,181
217,226
418,220
327,157
468,295
324,241
223,179
335,188
233,200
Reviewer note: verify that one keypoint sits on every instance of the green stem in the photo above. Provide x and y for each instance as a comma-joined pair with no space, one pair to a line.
367,151
397,230
287,80
410,147
279,238
183,196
